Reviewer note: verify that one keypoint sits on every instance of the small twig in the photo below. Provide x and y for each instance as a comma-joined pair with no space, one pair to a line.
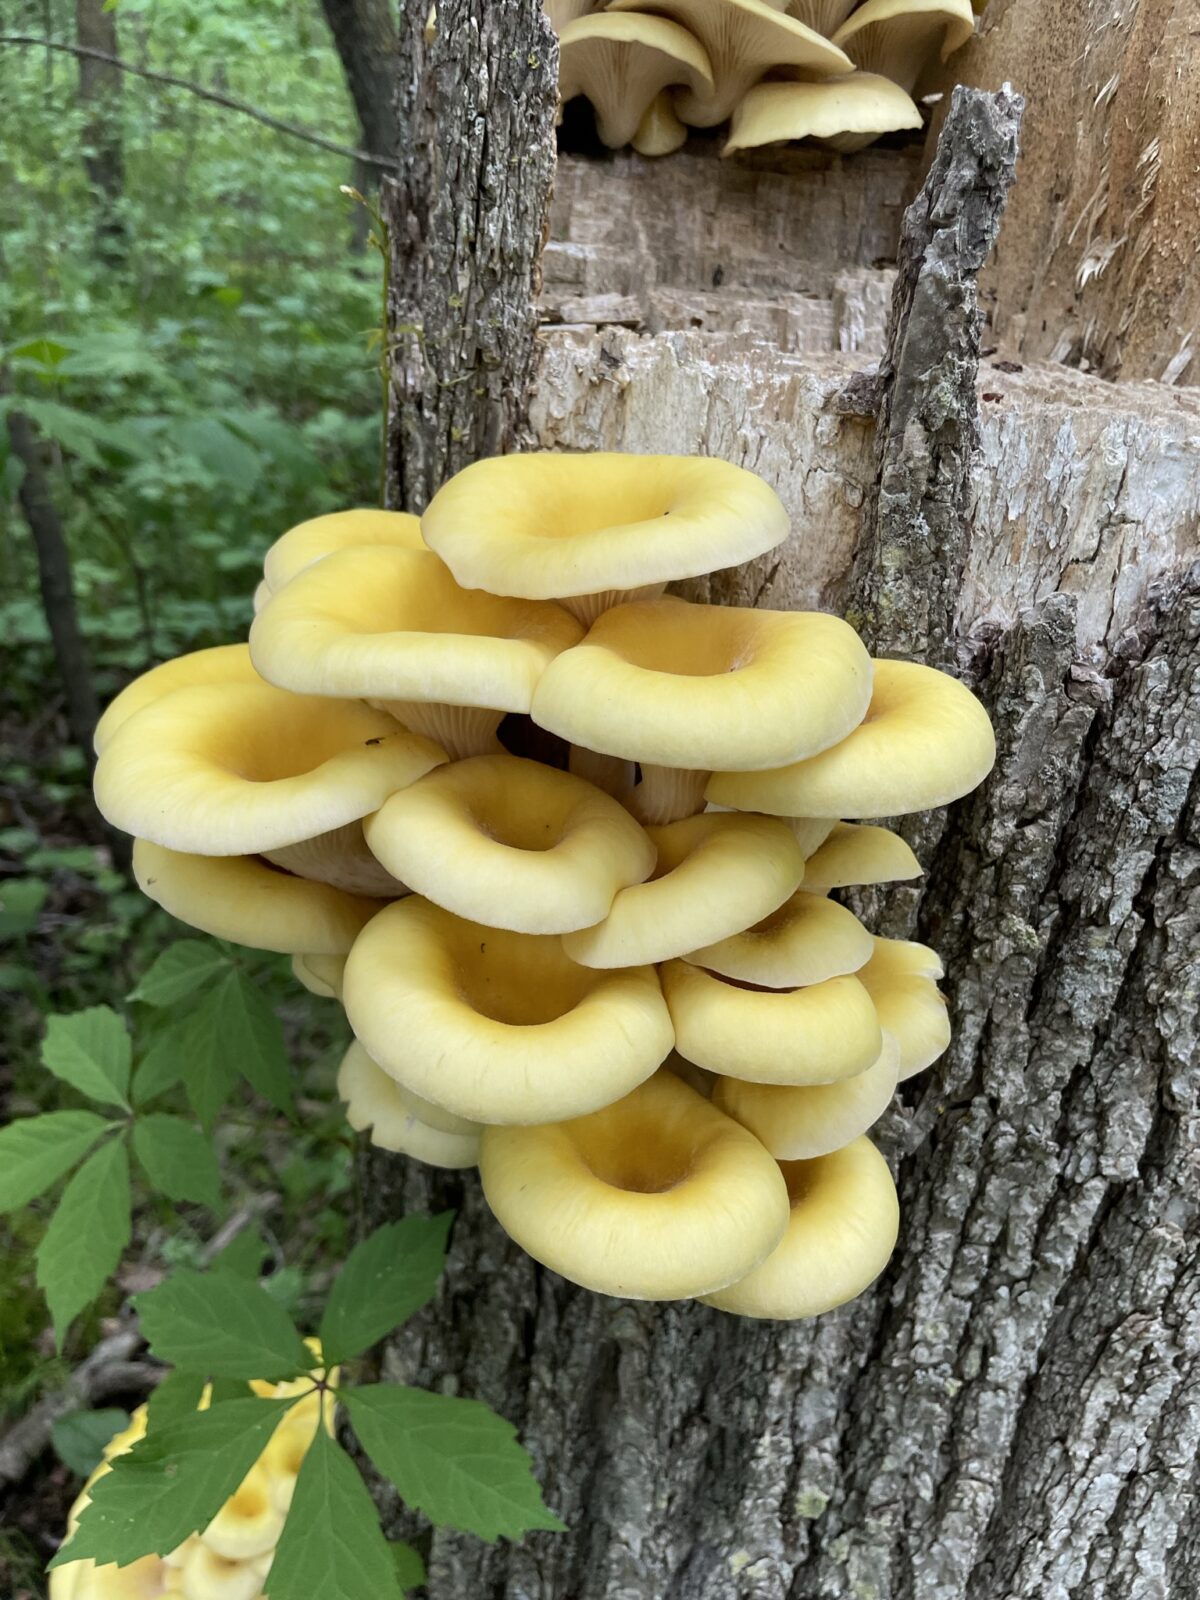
292,129
237,1223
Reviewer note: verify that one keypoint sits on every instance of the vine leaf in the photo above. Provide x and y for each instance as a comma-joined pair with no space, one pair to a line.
332,1544
178,1159
387,1277
36,1151
223,1325
179,971
87,1234
91,1051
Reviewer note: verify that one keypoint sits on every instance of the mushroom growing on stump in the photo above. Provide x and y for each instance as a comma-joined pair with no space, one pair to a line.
901,978
223,663
805,940
799,1123
854,854
312,541
896,38
657,1197
660,131
844,114
623,63
400,1120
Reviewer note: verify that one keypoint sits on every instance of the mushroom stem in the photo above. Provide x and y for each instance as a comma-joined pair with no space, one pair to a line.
660,132
665,794
610,773
460,730
587,607
339,857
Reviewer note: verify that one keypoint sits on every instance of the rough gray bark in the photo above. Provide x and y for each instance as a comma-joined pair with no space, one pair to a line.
1014,1411
475,113
100,92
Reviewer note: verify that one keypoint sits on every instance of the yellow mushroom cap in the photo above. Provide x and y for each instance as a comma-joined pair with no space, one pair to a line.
622,62
660,131
552,526
897,37
715,873
242,899
512,844
240,769
805,941
744,39
320,975
224,663
400,1120
682,685
925,741
248,1523
845,113
819,1034
391,624
657,1197
209,1576
803,1122
146,1579
901,980
842,1230
498,1026
857,853
319,537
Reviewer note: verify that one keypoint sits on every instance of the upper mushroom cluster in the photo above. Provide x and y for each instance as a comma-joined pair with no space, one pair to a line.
836,71
230,1560
563,847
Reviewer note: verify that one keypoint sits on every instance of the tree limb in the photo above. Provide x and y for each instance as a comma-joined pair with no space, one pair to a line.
292,129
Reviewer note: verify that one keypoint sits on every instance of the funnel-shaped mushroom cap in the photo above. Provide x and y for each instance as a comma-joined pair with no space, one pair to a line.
652,1198
312,541
512,844
744,39
400,1120
224,663
247,1524
843,1227
901,980
925,741
683,685
146,1579
799,1124
237,769
209,1576
819,1034
807,940
897,37
845,113
498,1026
715,873
392,624
242,899
856,853
622,62
320,975
600,525
660,131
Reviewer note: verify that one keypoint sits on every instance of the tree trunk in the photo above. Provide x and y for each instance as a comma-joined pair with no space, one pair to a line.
1014,1410
365,37
100,92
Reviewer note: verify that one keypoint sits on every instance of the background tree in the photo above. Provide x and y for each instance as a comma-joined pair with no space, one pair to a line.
364,32
100,93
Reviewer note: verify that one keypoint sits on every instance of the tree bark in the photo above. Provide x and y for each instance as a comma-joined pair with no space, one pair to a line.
100,92
365,37
1014,1410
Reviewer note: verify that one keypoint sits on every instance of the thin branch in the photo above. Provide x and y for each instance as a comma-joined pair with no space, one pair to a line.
290,128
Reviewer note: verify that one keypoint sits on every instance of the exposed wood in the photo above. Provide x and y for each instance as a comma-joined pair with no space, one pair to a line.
468,214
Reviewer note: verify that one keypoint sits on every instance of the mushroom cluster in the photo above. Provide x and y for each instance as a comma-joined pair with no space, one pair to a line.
563,846
835,71
230,1560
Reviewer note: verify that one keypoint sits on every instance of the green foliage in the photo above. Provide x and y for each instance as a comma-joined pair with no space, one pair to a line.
79,1439
223,1325
35,1152
92,1052
177,1158
182,968
87,1234
386,1278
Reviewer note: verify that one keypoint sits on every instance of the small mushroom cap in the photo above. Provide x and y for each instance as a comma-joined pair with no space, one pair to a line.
925,741
512,844
819,1034
715,873
897,37
84,1580
800,1124
621,63
209,1576
857,853
901,980
235,769
677,684
312,541
320,975
805,941
392,624
247,1524
398,1118
242,899
497,1026
550,526
224,663
846,112
843,1227
744,39
653,1198
660,131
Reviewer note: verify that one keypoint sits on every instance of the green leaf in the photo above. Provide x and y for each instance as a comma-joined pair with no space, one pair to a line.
453,1459
91,1051
179,971
87,1233
253,1036
245,1253
36,1151
78,432
45,352
222,1325
81,1437
172,1483
178,1395
21,902
219,451
410,1569
386,1278
163,1064
209,1072
332,1544
178,1159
